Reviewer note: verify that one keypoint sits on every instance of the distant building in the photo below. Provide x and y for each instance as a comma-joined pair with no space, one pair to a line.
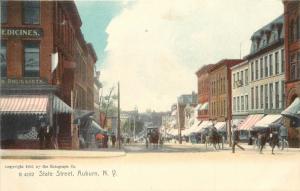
220,94
203,92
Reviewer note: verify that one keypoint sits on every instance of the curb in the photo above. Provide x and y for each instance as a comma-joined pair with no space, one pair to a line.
52,154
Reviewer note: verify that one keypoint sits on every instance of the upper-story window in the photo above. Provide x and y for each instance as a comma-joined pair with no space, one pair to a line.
246,77
31,59
282,61
276,63
293,66
31,12
242,78
271,64
256,69
252,71
266,67
261,63
3,11
3,59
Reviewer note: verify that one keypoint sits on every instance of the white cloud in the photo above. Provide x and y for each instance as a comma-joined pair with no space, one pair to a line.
155,47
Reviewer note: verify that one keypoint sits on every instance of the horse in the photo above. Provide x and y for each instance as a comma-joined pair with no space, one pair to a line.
268,136
154,138
213,138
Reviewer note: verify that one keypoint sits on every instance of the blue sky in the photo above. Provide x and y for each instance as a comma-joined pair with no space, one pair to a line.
96,16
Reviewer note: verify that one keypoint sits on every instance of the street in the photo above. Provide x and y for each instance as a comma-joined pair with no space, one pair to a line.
173,167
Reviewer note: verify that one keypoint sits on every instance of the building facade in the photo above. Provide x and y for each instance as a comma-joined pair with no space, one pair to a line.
292,64
220,93
266,67
203,92
240,92
39,49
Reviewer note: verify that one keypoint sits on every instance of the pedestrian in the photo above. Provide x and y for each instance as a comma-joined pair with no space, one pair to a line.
274,140
41,137
113,140
48,137
235,139
283,133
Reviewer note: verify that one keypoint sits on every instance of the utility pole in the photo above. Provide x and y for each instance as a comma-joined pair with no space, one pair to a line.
133,128
119,121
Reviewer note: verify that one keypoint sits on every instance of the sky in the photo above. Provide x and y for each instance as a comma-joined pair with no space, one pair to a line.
153,48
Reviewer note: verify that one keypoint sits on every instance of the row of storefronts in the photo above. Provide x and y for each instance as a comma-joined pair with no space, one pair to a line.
259,91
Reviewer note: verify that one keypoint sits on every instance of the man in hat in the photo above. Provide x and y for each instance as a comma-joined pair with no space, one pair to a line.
235,139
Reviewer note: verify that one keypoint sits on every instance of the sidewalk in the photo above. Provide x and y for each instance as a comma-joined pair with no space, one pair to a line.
48,154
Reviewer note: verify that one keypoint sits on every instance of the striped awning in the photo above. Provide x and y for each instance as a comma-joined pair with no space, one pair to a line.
249,122
204,106
268,120
31,104
220,126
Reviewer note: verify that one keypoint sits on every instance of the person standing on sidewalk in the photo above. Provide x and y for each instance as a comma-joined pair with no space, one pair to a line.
283,133
235,139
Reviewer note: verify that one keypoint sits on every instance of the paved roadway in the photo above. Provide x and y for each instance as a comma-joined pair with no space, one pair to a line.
173,167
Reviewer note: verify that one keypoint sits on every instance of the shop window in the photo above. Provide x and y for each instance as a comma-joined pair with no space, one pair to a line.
31,59
3,59
31,12
3,11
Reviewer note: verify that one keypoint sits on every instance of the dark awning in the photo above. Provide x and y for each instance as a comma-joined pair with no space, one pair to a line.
293,110
80,115
31,104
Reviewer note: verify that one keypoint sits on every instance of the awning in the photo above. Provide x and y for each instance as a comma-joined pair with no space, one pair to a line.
80,115
220,126
194,128
31,104
293,110
237,122
204,124
174,113
197,107
267,120
95,128
249,122
204,106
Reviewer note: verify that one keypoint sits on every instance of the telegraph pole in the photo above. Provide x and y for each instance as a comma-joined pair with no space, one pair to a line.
119,121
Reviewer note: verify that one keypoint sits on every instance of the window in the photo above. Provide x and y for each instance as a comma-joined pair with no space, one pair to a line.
293,66
262,97
266,66
271,95
282,61
234,104
242,103
291,35
276,63
266,97
3,62
256,97
246,103
246,77
283,94
298,28
242,78
271,64
238,104
252,71
4,11
31,12
252,98
261,68
276,95
32,59
256,69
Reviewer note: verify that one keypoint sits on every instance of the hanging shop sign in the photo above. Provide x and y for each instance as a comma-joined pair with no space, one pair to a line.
21,32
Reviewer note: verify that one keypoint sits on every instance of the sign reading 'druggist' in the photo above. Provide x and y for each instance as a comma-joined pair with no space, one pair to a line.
22,32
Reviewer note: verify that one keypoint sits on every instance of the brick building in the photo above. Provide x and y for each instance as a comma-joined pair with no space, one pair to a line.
292,67
43,58
220,94
203,92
